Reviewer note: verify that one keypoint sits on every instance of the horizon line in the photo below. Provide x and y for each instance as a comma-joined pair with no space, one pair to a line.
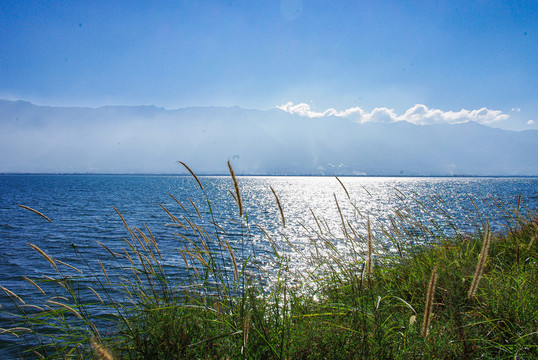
263,175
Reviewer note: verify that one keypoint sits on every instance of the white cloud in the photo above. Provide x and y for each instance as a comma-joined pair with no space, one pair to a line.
422,115
382,115
516,109
530,122
303,109
418,114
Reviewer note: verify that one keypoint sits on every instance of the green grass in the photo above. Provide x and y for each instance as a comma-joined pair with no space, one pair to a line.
359,301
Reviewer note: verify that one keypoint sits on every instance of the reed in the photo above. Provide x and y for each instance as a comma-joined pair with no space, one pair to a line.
432,284
236,187
100,352
480,265
126,300
279,207
35,212
370,248
47,257
193,174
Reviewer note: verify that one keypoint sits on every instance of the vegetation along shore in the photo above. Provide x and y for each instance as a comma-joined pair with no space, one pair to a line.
399,289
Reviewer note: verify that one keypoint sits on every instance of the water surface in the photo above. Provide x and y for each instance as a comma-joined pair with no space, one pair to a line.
81,208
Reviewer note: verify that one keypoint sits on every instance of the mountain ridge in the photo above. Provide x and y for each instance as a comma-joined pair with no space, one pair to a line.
149,139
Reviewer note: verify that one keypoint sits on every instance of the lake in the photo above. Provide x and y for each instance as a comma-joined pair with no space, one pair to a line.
81,208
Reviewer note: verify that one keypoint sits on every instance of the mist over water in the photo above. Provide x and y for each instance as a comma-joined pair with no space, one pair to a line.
149,140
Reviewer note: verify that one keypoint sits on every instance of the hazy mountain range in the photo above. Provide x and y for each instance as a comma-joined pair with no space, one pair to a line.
147,139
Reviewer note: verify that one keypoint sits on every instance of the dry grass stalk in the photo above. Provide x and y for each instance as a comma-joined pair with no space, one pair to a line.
48,258
66,307
317,222
279,207
236,186
32,307
369,268
122,219
352,240
178,202
192,173
96,294
15,330
342,184
128,257
107,249
481,262
194,228
100,351
342,219
185,259
38,354
69,266
137,238
104,271
11,294
35,211
246,328
236,270
429,303
195,207
33,283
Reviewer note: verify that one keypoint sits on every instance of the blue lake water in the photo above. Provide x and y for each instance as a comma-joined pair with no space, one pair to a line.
81,208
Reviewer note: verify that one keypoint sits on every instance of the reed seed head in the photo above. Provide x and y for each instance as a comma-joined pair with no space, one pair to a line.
100,351
429,303
481,262
236,186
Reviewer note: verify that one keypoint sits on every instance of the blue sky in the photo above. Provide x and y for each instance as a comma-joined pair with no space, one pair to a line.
443,55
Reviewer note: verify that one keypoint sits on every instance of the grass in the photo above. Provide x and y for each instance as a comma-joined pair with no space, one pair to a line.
365,295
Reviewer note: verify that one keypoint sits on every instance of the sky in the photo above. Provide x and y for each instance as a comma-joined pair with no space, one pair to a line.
429,61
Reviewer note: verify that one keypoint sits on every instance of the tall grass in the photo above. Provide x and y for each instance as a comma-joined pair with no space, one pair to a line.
366,285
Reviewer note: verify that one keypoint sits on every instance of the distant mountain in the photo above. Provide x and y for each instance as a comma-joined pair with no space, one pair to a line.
147,139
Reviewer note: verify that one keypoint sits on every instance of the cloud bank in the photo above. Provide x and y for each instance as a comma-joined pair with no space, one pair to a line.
418,114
